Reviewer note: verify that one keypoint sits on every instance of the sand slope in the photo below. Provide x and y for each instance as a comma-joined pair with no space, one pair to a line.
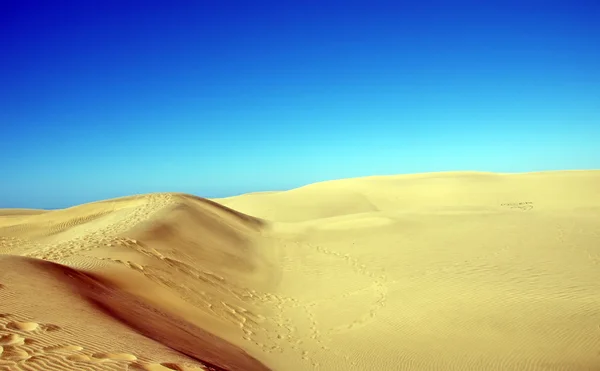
149,282
445,271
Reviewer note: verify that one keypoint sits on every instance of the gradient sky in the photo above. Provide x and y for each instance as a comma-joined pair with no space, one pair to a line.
100,99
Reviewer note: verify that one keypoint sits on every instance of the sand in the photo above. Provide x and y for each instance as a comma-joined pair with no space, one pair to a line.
440,271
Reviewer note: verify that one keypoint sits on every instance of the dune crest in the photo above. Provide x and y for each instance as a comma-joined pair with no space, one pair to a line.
131,261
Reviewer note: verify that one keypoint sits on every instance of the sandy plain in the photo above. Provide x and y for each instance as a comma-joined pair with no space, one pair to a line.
437,271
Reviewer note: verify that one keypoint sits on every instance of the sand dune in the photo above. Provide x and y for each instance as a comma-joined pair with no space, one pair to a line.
444,271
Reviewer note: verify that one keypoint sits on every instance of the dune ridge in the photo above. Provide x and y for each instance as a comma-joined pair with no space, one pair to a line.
98,264
452,271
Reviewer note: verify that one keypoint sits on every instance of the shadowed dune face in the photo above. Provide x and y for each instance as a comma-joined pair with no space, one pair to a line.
175,269
209,237
250,221
212,250
49,324
155,320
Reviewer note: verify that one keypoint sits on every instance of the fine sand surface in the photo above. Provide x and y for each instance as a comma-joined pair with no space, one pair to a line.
441,271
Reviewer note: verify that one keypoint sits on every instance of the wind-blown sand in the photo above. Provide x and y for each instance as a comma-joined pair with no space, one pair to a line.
443,271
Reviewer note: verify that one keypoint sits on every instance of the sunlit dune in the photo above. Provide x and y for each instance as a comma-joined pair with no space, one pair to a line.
440,271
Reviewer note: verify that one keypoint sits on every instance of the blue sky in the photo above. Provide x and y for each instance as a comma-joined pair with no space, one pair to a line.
100,99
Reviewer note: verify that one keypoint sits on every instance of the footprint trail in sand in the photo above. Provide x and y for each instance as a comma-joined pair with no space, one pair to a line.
447,271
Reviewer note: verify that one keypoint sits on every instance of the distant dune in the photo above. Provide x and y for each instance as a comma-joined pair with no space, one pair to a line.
439,271
9,212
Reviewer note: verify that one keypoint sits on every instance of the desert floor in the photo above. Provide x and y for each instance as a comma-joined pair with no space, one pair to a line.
441,271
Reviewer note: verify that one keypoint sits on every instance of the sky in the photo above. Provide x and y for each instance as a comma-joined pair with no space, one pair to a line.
100,99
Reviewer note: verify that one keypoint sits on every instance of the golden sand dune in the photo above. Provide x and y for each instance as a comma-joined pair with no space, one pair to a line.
445,271
146,283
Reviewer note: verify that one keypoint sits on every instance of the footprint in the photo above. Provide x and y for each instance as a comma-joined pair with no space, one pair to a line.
29,341
86,358
115,356
78,358
23,326
11,339
135,266
49,327
11,353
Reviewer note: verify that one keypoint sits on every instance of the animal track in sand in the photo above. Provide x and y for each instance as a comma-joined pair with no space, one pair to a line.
137,246
9,242
379,286
315,334
303,344
231,311
354,263
381,294
525,206
240,316
129,264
